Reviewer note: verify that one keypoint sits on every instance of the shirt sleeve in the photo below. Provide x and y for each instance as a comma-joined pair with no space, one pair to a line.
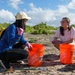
57,33
72,33
22,40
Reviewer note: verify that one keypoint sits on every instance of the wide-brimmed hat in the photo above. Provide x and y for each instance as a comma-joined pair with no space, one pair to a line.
22,15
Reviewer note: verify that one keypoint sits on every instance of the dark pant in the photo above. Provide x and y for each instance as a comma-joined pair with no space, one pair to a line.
17,53
19,45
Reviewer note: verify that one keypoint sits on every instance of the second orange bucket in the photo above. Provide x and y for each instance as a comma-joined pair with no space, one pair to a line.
66,53
35,57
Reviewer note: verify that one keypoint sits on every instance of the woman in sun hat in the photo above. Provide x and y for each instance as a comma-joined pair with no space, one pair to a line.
12,42
65,33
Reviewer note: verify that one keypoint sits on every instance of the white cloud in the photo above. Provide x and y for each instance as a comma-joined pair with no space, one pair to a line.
6,16
31,4
62,9
38,15
52,17
71,5
15,3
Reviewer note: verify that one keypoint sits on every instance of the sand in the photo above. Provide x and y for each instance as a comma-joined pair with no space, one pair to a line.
51,60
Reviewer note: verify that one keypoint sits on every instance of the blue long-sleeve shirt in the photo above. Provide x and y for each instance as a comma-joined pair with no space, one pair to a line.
10,38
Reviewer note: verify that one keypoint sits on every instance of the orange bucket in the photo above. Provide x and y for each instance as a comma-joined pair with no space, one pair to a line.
35,57
66,53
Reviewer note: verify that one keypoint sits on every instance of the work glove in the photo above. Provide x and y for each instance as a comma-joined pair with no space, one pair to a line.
29,45
54,41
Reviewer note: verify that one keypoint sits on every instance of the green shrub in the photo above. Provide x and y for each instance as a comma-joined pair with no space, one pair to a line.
41,28
29,29
4,25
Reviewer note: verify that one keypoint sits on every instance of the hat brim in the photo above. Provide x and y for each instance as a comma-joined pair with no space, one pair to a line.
24,18
27,18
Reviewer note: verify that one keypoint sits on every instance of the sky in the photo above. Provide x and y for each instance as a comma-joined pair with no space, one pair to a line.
49,11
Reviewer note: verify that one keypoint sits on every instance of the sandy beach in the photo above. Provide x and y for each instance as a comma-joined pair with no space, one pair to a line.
51,63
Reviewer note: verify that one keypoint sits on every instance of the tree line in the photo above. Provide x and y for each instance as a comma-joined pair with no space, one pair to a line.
41,28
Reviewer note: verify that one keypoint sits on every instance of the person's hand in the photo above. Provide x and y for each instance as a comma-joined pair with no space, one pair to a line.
20,31
54,41
29,45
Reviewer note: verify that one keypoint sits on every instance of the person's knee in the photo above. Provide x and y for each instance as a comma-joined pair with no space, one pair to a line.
23,47
56,45
26,54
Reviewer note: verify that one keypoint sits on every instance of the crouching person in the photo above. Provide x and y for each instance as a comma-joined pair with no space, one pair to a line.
12,42
65,33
